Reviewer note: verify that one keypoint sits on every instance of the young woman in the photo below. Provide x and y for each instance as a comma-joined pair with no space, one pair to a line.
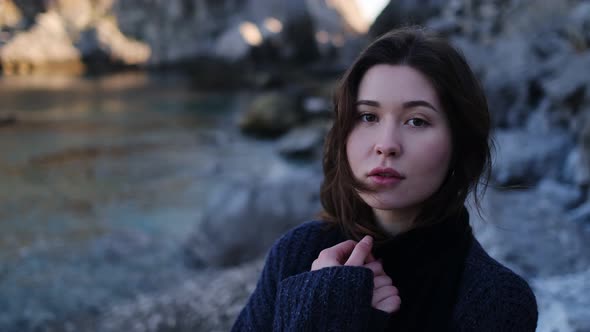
394,251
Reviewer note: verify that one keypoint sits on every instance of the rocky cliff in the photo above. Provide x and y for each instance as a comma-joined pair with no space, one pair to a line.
47,34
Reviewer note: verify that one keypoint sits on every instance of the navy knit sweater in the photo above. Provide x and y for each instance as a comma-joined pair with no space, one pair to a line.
290,297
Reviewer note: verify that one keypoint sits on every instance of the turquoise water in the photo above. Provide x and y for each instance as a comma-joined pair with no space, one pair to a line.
94,151
101,182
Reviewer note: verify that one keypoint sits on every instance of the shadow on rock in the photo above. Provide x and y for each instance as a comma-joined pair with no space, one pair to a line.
243,220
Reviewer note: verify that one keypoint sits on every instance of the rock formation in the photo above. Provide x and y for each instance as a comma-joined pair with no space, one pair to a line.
133,32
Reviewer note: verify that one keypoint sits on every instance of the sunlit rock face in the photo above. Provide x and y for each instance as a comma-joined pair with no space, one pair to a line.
138,32
46,42
62,34
230,29
10,15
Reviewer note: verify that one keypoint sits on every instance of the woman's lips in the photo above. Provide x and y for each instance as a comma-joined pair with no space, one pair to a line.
384,180
384,176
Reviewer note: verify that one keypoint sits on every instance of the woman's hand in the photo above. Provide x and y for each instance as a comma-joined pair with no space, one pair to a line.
385,295
350,253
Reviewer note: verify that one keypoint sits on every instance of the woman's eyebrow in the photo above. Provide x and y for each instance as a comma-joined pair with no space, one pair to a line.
371,103
416,103
405,105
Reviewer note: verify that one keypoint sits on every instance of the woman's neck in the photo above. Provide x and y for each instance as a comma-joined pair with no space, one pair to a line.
395,222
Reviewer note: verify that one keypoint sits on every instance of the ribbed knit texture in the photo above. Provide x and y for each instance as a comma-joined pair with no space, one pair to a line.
290,297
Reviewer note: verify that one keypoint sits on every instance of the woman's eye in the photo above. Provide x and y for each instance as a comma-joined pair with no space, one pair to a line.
417,122
368,117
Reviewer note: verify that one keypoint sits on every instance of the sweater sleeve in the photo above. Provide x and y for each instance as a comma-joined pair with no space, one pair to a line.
329,299
291,298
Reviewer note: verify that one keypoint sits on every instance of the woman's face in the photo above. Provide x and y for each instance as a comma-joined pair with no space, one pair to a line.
400,145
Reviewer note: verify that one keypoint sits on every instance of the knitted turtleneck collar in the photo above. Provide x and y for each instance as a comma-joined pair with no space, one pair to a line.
426,264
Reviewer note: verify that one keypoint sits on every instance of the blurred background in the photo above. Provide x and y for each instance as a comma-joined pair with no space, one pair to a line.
151,151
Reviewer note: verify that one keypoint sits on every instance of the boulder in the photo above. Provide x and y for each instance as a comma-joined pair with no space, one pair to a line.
244,219
318,96
76,14
563,195
525,158
577,26
313,105
231,45
542,119
577,164
563,302
105,42
303,142
271,114
10,15
7,120
580,214
569,82
548,44
524,229
46,42
577,167
506,83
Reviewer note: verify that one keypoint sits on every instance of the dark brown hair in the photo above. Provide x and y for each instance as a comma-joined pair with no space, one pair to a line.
465,106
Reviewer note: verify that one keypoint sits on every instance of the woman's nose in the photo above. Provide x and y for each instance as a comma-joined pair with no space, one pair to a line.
388,144
387,150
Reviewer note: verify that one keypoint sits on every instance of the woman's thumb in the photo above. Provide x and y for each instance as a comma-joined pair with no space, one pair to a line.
360,252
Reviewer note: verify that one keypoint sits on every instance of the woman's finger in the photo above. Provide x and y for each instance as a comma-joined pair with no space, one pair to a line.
339,252
376,267
389,305
334,256
360,252
380,294
380,281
